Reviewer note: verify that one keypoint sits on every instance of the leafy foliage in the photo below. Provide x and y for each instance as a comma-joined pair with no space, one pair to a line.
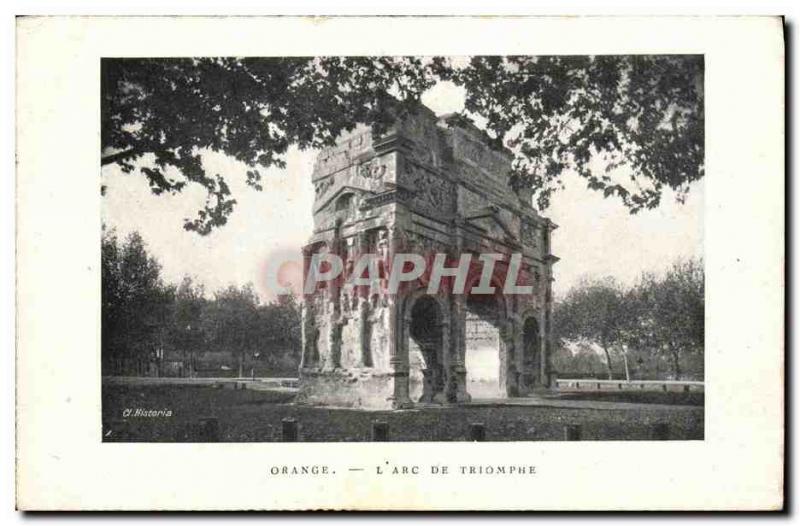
186,331
593,115
580,360
661,320
671,312
143,316
234,318
135,301
594,311
250,109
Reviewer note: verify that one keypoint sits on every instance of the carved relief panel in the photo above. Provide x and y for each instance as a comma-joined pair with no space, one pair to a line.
529,234
431,194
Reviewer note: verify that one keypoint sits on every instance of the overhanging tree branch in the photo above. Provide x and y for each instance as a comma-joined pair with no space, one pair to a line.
124,155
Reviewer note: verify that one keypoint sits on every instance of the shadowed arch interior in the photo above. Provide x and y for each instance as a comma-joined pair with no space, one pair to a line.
426,375
530,348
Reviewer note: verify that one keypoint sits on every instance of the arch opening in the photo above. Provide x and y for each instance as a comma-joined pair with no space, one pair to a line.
483,347
425,350
531,352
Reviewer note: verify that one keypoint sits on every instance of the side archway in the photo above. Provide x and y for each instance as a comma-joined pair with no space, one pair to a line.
532,351
425,336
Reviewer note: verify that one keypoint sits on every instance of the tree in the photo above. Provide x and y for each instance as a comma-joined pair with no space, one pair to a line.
671,313
641,112
232,320
593,312
141,314
188,333
135,303
280,333
555,113
578,359
656,326
248,108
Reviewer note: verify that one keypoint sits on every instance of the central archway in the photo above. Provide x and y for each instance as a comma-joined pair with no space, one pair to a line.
483,358
426,342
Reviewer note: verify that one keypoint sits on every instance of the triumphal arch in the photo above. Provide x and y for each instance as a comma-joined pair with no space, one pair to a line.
429,185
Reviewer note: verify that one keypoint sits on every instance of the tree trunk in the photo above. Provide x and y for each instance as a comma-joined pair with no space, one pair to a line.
608,363
241,365
676,364
627,371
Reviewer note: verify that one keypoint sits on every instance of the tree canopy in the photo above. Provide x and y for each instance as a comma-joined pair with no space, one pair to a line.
135,300
594,311
661,319
629,125
671,312
146,318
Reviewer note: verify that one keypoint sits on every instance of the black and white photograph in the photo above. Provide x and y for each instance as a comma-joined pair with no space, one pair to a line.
400,263
403,248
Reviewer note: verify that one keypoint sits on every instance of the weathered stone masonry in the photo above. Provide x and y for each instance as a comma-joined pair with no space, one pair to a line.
426,186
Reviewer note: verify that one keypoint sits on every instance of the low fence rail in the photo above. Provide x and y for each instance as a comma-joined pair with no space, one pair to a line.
233,382
663,385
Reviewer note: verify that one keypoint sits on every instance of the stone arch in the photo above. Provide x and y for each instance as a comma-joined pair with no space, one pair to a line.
531,344
424,344
496,355
499,297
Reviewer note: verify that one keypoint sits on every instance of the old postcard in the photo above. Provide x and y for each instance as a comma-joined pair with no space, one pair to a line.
400,263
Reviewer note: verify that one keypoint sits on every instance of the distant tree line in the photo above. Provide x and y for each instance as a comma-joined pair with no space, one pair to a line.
149,325
652,330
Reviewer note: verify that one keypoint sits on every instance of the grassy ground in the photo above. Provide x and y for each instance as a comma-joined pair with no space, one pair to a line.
255,416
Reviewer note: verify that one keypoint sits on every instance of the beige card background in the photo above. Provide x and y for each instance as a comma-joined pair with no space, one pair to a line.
61,462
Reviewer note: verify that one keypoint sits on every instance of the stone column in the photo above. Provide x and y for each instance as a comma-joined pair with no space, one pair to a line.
456,383
540,375
361,248
457,391
398,364
398,354
335,342
509,386
443,360
334,285
364,333
547,335
518,327
310,334
305,337
429,373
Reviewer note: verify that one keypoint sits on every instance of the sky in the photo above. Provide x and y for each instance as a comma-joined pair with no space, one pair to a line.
597,237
